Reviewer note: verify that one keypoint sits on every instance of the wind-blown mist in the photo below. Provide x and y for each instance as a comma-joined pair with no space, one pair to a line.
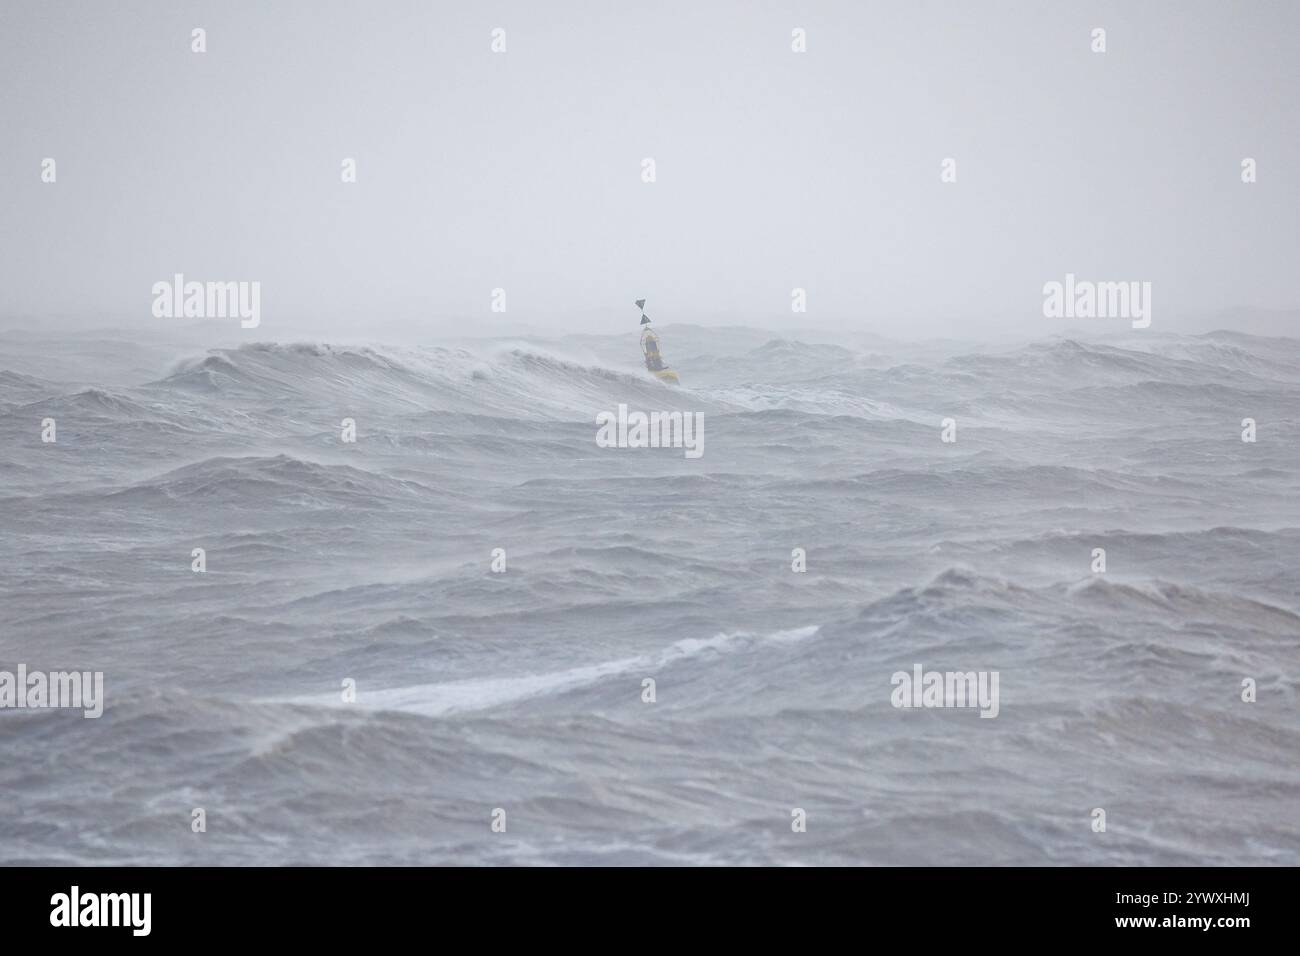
522,169
524,690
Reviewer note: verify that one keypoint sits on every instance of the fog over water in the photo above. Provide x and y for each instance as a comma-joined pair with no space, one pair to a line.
774,170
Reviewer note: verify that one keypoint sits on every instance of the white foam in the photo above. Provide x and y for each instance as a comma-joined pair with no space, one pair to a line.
484,693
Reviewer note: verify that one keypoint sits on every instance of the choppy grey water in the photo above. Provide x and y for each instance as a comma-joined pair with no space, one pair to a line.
523,690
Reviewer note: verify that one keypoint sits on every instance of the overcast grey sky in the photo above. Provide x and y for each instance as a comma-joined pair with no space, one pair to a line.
522,170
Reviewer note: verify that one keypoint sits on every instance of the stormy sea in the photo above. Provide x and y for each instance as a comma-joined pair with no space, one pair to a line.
395,604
